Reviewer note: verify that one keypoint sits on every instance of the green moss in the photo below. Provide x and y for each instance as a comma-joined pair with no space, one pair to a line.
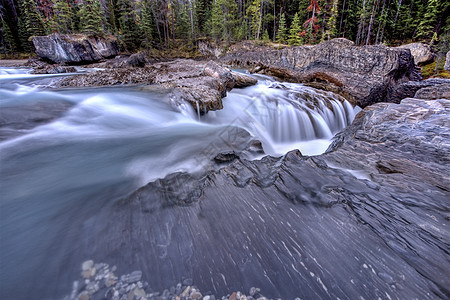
435,70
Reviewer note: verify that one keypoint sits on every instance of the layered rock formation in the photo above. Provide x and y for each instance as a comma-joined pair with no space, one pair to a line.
74,48
410,88
201,84
365,75
421,52
358,222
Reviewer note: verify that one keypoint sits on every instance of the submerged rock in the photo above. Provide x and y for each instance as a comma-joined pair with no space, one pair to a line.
75,48
360,221
421,52
365,75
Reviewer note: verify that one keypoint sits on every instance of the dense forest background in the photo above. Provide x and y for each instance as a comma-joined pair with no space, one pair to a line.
145,24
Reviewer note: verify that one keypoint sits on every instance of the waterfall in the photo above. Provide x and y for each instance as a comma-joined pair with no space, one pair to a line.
286,116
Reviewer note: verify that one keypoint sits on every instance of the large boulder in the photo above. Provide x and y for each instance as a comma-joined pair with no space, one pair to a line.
364,75
75,48
421,52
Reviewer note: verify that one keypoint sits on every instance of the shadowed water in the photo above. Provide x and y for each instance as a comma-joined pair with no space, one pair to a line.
61,168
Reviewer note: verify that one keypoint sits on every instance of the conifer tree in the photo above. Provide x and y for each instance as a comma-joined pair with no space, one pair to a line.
255,16
91,17
30,24
428,21
8,43
129,30
147,24
266,37
282,31
294,32
62,17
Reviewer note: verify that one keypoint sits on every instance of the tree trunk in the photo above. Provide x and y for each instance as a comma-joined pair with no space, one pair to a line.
342,18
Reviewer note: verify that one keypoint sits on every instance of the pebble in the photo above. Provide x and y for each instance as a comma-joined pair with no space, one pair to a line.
99,278
87,265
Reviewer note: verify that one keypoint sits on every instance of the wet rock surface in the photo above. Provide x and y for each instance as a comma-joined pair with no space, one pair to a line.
75,48
365,75
202,84
16,120
368,219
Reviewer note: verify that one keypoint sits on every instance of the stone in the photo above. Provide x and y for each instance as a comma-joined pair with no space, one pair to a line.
421,52
364,75
139,293
225,157
233,296
410,88
75,48
447,61
441,91
196,295
242,80
87,265
83,296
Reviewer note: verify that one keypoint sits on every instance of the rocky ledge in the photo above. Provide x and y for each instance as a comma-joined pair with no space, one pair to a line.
202,84
75,48
364,75
357,222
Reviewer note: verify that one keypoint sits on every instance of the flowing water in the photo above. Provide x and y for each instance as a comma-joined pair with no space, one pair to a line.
103,143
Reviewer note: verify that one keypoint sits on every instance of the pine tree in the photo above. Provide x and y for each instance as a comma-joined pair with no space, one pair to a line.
428,20
255,15
294,32
62,17
128,28
265,37
282,31
8,42
223,20
182,24
30,24
91,17
331,31
147,24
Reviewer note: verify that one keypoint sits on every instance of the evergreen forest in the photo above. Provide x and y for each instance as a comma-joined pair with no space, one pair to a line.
161,24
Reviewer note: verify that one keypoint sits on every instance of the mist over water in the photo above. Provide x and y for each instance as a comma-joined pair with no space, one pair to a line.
110,142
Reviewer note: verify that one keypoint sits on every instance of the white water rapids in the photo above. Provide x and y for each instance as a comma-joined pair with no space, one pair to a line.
111,138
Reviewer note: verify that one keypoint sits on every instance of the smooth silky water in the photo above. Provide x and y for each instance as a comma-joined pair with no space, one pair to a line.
110,142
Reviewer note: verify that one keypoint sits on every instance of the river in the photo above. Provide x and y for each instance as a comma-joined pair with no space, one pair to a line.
68,154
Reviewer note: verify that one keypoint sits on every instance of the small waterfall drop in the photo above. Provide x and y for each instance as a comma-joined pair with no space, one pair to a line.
286,116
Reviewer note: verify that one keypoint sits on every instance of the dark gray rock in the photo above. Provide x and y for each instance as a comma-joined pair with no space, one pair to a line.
75,48
364,75
421,52
441,91
410,88
16,120
337,225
